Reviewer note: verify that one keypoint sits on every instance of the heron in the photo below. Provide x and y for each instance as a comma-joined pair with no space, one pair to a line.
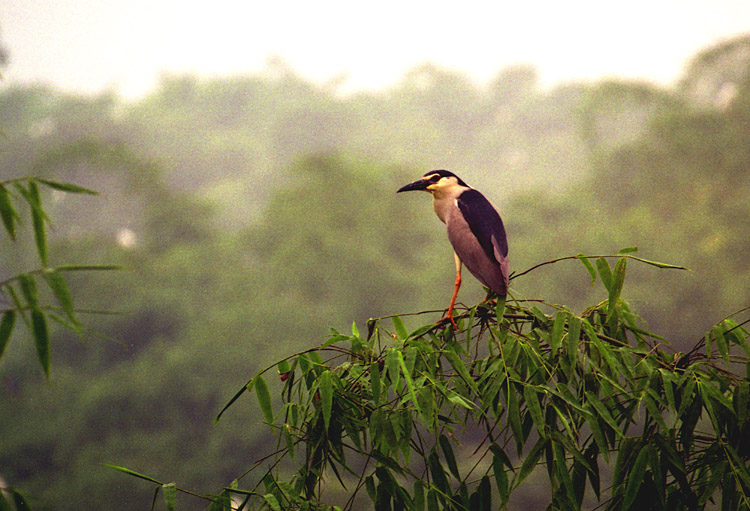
475,230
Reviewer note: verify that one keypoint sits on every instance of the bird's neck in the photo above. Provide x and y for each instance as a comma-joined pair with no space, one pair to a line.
443,201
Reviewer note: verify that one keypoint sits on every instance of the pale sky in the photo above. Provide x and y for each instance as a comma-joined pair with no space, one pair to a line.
125,45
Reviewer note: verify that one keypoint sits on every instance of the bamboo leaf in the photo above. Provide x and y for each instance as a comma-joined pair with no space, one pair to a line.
264,398
530,462
450,458
499,459
587,264
37,219
7,212
272,501
409,382
325,385
133,473
602,411
20,501
635,478
558,327
170,495
59,287
6,329
4,504
400,328
28,288
605,273
66,187
534,408
41,338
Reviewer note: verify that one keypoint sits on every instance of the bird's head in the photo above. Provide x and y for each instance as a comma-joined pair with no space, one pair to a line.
437,182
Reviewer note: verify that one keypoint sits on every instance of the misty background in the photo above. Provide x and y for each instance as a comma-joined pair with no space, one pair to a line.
247,159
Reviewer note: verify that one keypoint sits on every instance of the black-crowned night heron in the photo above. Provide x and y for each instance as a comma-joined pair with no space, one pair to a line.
474,229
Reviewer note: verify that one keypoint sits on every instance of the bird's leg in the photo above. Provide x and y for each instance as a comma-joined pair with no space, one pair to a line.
449,314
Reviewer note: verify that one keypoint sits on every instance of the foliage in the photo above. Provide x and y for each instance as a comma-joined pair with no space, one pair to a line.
21,292
448,419
22,296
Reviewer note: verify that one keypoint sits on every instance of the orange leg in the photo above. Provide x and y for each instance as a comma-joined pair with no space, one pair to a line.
457,285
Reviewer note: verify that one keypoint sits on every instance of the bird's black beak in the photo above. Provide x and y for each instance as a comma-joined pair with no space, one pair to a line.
416,185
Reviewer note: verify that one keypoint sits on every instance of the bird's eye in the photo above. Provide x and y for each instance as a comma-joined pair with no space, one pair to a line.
435,178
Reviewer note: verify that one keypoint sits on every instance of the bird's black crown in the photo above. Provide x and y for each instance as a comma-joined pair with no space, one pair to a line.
445,173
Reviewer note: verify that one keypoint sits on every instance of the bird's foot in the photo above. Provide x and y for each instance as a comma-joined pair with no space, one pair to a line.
446,319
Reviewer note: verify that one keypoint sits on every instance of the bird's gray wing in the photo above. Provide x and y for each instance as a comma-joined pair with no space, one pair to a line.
487,226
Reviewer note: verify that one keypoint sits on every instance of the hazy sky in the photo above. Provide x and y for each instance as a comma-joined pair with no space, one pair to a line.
124,45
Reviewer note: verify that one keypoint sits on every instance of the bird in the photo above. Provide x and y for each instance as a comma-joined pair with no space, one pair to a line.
475,230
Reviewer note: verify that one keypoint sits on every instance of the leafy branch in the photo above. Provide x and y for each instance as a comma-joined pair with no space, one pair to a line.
440,418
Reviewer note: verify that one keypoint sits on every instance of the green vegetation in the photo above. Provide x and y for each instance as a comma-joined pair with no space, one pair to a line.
252,214
448,419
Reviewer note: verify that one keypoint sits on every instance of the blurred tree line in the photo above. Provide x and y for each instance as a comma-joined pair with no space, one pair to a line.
254,212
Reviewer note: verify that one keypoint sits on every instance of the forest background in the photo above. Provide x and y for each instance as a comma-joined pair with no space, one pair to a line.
252,213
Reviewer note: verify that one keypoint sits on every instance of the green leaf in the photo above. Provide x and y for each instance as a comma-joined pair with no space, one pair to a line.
355,330
325,384
375,382
6,328
4,504
460,368
66,187
718,334
41,338
400,328
28,288
264,398
272,502
409,382
535,409
7,213
574,334
59,287
133,473
587,264
530,462
170,495
37,219
618,279
604,272
450,458
602,411
628,250
558,327
635,478
499,458
20,501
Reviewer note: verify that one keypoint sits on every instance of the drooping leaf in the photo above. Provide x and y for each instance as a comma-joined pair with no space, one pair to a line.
59,287
66,187
133,473
535,408
558,327
605,273
6,329
325,385
170,495
264,398
400,328
587,264
272,501
450,458
20,501
41,338
635,478
7,213
37,219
